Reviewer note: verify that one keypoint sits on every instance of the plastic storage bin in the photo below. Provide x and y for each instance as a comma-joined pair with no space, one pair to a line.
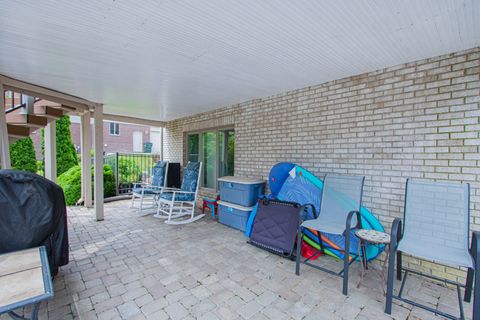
233,215
241,191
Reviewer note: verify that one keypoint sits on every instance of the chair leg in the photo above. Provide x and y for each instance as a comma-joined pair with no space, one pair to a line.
299,251
346,262
399,265
476,295
391,269
170,211
468,285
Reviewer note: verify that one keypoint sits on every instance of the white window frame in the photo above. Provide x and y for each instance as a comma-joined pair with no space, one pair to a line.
116,128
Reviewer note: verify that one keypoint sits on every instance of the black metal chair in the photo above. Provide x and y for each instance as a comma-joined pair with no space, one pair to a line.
435,228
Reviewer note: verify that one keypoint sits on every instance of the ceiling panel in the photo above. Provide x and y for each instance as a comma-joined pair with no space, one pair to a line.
167,59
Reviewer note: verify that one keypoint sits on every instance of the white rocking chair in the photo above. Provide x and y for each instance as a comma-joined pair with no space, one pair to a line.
176,203
147,193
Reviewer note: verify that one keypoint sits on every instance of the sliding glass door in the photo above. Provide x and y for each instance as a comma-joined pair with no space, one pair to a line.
215,148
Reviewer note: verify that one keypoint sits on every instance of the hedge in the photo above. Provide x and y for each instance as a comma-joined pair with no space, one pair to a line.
66,153
70,181
22,155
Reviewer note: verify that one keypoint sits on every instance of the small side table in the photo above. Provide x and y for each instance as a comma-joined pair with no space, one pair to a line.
376,238
24,280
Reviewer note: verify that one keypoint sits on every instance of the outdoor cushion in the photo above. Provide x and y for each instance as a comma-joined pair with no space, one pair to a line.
178,196
159,172
145,190
190,177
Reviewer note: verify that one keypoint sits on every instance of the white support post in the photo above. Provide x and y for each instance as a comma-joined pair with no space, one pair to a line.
50,139
4,146
98,160
86,145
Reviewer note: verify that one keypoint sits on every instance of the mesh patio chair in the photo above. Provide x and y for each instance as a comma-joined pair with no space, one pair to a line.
176,203
339,214
147,193
435,228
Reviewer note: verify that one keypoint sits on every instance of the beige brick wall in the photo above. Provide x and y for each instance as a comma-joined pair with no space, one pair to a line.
419,119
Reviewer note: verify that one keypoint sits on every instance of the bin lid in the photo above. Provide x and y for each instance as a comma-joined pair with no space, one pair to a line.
234,206
241,180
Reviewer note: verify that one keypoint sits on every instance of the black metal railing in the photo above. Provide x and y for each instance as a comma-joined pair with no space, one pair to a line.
130,168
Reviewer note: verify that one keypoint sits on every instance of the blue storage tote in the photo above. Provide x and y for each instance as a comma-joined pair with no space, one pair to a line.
241,191
233,215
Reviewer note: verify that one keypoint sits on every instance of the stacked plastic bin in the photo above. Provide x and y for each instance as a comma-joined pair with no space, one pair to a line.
238,197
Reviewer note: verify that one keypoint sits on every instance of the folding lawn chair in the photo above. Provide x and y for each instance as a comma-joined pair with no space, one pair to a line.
175,203
147,193
339,214
435,228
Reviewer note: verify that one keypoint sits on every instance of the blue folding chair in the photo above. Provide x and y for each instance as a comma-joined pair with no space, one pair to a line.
436,228
339,214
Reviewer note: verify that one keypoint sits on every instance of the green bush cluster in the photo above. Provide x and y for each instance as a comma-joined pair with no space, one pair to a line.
22,155
128,171
66,154
70,181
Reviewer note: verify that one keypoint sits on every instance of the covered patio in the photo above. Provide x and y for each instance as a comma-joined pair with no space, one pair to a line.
385,91
137,268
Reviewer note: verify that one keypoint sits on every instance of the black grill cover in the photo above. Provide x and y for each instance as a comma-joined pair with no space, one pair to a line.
33,213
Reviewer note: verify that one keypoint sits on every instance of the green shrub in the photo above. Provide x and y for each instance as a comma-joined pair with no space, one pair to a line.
66,154
22,155
40,169
128,171
70,181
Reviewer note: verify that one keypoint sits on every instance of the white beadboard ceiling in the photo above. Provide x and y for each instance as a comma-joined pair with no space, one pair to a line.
167,59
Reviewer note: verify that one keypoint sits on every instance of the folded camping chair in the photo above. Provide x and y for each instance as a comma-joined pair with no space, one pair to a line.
339,213
435,228
275,226
176,203
147,193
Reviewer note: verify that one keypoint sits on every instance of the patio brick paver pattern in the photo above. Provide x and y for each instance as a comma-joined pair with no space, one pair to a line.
131,267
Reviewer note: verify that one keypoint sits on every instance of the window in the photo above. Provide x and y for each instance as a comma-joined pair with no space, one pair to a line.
114,129
215,148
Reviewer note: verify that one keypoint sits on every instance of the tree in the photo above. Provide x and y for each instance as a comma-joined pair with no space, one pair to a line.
66,153
22,155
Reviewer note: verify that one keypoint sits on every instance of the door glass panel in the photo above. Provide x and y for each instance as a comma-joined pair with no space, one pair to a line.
226,144
230,152
209,141
193,147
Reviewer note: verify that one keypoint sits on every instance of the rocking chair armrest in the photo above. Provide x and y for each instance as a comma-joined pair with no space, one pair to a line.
168,189
181,191
140,184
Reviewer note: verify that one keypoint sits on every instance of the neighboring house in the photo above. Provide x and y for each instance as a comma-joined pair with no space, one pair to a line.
117,137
